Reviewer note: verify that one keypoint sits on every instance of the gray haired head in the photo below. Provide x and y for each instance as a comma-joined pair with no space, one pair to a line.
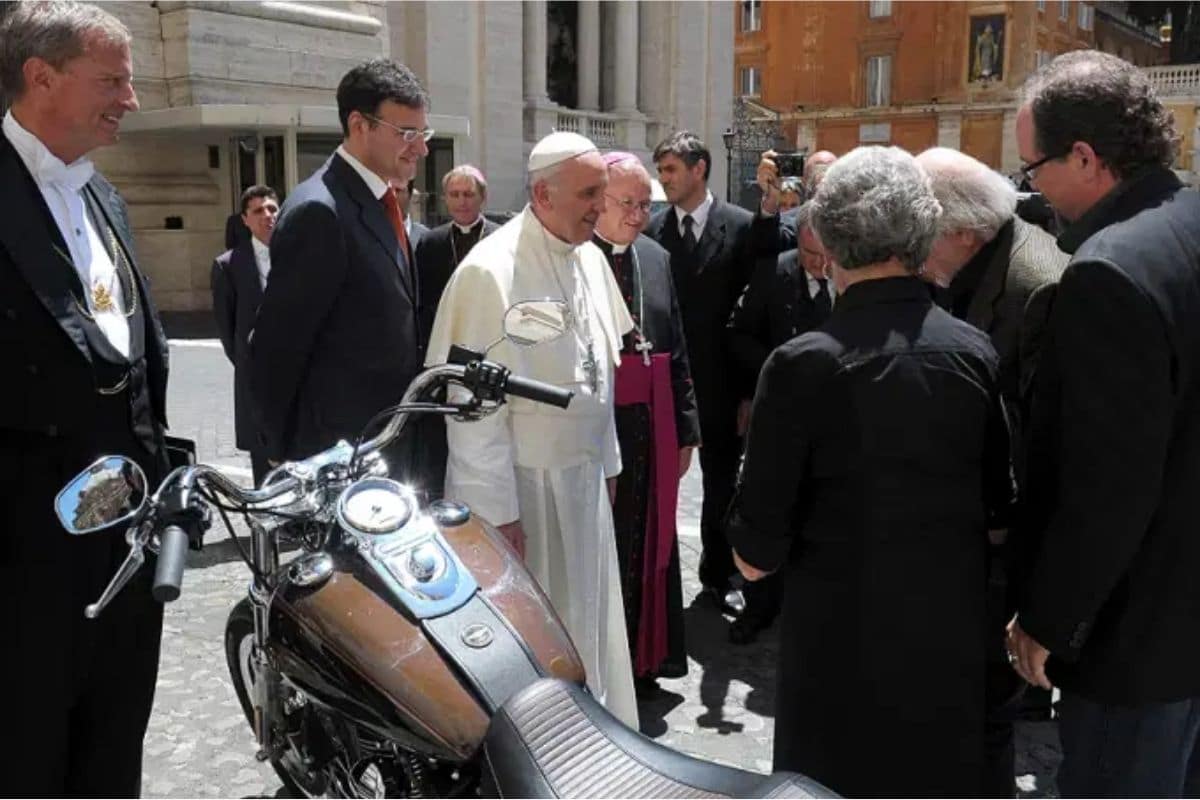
875,204
973,197
55,32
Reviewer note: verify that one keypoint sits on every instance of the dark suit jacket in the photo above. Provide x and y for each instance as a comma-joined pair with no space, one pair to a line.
435,260
1013,299
1113,499
337,337
43,347
708,283
237,293
775,307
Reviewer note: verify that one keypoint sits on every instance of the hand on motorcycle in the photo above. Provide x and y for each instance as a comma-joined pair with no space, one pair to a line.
515,535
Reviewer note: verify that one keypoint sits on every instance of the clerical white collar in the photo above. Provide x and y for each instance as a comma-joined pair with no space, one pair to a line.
556,245
699,215
36,156
465,229
616,248
375,184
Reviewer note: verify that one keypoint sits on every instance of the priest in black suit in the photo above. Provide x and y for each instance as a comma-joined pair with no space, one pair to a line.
658,427
440,250
338,336
788,296
238,279
86,361
711,260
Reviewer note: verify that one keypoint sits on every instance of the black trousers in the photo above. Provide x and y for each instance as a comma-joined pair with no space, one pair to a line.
719,459
78,692
259,466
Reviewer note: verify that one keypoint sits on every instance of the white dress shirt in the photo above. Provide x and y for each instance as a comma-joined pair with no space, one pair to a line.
61,186
699,216
262,257
814,286
375,184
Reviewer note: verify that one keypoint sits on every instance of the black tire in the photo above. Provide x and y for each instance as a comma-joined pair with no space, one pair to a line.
239,630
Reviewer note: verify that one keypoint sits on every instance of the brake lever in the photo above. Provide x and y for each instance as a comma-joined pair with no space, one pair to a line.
138,538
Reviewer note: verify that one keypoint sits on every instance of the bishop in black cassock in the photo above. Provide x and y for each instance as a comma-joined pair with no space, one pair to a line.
657,426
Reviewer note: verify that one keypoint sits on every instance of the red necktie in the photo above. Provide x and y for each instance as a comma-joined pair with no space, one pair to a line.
392,208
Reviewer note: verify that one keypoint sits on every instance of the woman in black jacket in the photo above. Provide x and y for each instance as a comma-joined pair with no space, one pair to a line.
877,460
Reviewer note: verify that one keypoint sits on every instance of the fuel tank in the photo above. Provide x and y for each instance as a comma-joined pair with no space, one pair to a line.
353,642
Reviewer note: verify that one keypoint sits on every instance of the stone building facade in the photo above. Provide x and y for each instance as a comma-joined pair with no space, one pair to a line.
236,93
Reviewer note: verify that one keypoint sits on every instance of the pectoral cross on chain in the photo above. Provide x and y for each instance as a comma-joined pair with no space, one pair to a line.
591,368
644,346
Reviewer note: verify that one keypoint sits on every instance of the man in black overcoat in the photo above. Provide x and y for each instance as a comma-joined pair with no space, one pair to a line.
86,360
789,295
1108,601
238,279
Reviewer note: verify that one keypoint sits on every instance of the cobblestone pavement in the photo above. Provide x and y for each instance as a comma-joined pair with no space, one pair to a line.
199,744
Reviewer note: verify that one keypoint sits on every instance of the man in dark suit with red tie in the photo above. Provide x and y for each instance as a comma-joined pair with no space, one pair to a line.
338,337
239,276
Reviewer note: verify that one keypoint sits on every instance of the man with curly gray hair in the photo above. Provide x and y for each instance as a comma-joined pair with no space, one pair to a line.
1109,604
852,425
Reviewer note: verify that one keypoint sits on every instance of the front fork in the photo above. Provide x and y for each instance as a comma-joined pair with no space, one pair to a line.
265,698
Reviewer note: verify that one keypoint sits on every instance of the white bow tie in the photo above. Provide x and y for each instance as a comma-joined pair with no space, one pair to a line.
53,172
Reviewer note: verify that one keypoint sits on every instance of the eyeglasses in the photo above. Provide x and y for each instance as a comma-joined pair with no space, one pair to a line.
629,207
409,135
1030,170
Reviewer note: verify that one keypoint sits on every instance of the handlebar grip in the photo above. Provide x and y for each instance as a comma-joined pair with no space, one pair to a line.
172,556
538,392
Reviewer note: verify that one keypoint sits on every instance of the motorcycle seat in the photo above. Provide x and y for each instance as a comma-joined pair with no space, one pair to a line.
552,739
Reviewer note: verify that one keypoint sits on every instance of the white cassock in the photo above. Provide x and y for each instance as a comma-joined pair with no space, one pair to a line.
540,464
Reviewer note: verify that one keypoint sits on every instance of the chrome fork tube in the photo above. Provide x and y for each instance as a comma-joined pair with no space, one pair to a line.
265,699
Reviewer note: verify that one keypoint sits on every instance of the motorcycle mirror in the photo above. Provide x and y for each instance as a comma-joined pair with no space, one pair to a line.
110,491
533,322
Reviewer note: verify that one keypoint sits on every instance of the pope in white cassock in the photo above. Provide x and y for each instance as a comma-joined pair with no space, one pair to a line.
537,471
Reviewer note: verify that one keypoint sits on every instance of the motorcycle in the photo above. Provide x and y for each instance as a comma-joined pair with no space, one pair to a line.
405,651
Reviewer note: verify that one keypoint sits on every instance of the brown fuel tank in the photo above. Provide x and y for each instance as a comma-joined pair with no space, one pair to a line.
352,620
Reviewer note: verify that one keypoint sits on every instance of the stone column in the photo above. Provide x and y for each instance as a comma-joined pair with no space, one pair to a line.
534,45
587,64
625,97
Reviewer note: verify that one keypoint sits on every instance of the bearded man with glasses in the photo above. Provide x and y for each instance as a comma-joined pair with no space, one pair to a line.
340,335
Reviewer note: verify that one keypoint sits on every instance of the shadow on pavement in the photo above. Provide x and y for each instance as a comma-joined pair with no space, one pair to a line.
722,662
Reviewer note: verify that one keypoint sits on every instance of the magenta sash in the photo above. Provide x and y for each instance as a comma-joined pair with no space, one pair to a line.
651,385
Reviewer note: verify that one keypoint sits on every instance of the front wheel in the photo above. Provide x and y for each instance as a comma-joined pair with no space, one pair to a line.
294,766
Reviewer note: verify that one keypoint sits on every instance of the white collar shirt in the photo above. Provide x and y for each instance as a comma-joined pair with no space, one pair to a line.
375,184
699,216
61,186
262,258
